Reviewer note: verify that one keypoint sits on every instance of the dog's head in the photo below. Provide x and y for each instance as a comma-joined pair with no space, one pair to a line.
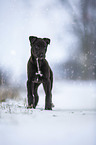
38,46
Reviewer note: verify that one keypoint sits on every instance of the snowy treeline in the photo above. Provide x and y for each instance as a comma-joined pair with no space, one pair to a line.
82,64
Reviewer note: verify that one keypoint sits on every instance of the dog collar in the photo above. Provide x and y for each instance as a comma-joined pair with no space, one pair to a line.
38,72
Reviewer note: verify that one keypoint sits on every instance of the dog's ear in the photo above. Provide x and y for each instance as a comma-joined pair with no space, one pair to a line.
47,40
32,39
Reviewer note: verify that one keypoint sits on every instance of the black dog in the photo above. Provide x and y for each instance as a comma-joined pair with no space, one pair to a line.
38,72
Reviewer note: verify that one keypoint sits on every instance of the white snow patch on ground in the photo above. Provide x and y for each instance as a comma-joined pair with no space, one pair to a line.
71,122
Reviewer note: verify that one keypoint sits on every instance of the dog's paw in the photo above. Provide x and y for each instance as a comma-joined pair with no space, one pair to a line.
30,106
48,108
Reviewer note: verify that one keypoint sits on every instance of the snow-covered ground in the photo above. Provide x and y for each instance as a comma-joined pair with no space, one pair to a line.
71,122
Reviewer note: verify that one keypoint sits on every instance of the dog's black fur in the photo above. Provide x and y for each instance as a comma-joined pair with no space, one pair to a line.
39,71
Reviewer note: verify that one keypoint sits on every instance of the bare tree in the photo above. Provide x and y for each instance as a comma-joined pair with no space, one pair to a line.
4,77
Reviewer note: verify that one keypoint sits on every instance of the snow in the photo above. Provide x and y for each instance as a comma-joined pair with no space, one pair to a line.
71,122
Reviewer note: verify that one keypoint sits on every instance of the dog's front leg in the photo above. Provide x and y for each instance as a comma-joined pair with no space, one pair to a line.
30,95
48,99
